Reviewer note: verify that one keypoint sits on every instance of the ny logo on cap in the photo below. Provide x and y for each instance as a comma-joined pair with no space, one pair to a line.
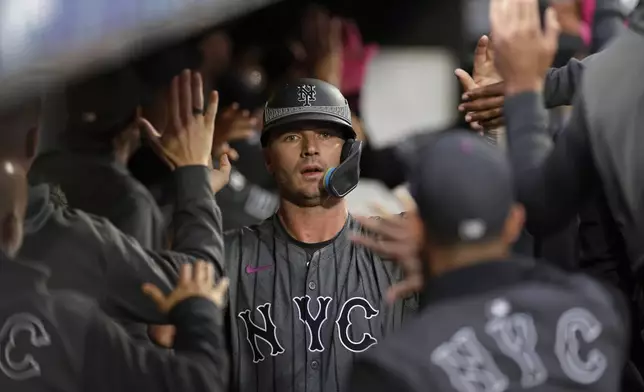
306,94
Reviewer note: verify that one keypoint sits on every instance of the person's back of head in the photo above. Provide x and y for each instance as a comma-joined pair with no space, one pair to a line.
96,114
465,195
13,204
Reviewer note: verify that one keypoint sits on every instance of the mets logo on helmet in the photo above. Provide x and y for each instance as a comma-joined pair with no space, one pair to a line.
306,94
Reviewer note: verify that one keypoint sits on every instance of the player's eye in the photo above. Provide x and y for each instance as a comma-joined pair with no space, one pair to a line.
324,135
290,137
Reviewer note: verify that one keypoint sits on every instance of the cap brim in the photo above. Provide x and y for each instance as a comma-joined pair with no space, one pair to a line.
303,118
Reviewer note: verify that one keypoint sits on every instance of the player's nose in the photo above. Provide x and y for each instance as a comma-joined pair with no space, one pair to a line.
309,146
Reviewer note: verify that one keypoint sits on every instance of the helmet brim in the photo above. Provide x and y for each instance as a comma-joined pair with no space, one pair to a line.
307,118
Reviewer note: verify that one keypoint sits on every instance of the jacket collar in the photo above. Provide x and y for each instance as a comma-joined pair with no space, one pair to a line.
476,279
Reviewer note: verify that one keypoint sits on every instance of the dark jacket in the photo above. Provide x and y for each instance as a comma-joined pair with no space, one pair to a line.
89,255
99,185
508,325
61,341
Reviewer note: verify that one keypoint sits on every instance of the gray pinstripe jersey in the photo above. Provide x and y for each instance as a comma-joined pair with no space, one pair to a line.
298,321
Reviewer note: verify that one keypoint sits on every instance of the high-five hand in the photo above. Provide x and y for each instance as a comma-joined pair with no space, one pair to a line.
523,50
484,74
196,280
189,137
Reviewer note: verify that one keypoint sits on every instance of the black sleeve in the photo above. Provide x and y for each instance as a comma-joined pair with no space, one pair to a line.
551,179
139,220
562,83
197,235
113,362
369,377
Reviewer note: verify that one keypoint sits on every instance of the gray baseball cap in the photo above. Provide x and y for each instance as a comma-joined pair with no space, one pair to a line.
463,187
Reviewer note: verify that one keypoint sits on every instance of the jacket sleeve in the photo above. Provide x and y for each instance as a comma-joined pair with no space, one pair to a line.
113,362
562,83
139,220
197,235
552,179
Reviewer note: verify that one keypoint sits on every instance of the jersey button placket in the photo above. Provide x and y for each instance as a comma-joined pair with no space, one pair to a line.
315,365
312,285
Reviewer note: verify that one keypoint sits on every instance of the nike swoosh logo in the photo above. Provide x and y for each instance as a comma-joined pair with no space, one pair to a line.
252,270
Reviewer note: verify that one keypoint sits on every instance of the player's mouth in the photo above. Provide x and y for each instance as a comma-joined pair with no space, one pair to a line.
312,172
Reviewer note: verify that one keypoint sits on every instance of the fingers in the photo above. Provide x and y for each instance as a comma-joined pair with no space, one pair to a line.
185,274
406,201
530,8
480,53
224,164
185,96
175,109
552,27
335,34
496,15
404,289
233,155
383,248
466,80
197,91
379,210
148,129
492,124
484,115
482,104
492,90
210,274
220,290
154,293
213,105
200,271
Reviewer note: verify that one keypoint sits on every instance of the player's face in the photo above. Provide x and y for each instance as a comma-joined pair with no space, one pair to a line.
298,160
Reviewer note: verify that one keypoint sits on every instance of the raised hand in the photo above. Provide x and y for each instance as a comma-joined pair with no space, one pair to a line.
196,280
322,43
398,238
188,138
484,74
233,124
524,51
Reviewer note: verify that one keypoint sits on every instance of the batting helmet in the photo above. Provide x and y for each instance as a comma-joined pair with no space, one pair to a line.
307,100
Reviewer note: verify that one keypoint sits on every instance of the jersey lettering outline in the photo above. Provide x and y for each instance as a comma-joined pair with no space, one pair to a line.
516,336
268,334
28,367
571,322
469,366
344,323
313,324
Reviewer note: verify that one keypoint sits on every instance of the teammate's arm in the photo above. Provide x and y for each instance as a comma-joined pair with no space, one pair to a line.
113,362
552,179
196,225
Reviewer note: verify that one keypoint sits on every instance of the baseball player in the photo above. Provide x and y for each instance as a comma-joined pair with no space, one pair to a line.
492,321
304,299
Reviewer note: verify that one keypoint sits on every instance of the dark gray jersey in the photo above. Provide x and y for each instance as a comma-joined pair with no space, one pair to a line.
299,318
516,326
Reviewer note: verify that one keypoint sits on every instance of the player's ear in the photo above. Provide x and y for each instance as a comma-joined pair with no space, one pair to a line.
267,160
514,224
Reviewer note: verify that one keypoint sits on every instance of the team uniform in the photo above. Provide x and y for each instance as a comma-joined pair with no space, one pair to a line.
62,341
300,313
509,325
